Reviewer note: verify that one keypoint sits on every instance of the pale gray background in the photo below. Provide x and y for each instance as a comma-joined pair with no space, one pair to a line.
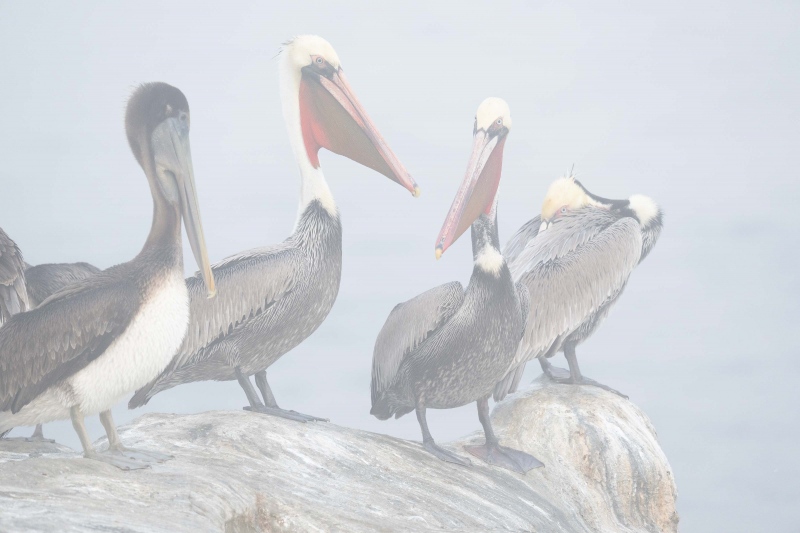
695,104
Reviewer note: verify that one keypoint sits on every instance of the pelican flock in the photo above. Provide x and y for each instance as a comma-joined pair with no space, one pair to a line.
272,298
75,340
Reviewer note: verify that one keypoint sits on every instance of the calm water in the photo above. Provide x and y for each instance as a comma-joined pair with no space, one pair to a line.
693,104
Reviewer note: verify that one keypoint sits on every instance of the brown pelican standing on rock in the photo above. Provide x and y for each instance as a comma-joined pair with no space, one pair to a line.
448,346
575,258
23,290
99,339
272,298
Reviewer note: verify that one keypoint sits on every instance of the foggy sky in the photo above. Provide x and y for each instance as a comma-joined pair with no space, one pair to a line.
694,104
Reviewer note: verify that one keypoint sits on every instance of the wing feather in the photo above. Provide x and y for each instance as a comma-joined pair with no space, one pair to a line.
570,271
63,335
407,326
521,238
247,285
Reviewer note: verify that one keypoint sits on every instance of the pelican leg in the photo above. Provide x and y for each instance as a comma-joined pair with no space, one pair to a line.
118,460
429,444
552,372
115,444
575,376
271,407
497,455
37,436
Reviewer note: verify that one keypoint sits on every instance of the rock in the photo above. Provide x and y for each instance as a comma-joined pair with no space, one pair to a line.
236,471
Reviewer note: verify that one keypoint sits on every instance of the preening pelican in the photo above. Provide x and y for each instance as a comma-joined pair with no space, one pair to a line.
39,283
575,258
99,339
448,346
272,298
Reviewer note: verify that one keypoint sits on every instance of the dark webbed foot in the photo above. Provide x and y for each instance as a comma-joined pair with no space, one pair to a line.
284,413
588,381
32,438
555,373
445,455
507,458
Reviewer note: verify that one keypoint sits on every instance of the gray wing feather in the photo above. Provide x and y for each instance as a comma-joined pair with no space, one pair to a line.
62,336
47,279
407,326
247,285
570,271
13,293
521,238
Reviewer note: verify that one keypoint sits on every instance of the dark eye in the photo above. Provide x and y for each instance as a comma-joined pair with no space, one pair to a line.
563,210
319,61
499,122
184,117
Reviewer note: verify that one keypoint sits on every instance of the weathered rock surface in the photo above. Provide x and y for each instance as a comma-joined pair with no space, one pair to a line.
236,471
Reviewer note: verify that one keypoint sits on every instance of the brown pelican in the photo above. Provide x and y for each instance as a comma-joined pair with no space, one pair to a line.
39,281
448,346
88,345
575,258
272,298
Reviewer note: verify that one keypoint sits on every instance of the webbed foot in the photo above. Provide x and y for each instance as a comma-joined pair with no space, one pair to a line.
284,413
445,455
590,382
555,373
507,458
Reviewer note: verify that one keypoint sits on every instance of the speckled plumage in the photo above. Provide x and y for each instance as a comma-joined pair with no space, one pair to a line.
268,301
449,347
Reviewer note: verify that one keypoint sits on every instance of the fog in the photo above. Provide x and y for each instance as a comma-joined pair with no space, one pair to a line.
694,104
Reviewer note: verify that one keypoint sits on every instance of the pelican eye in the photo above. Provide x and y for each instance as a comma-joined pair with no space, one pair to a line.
563,210
319,61
499,122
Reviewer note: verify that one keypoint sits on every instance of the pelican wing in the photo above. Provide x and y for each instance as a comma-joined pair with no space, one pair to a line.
248,284
62,336
571,270
13,294
521,238
407,326
47,279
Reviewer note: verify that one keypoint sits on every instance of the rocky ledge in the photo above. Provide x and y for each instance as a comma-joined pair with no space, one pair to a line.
233,471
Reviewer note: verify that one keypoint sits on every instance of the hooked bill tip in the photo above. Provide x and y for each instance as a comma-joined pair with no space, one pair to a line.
416,192
439,252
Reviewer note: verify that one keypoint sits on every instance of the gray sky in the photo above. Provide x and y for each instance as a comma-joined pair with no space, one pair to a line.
692,103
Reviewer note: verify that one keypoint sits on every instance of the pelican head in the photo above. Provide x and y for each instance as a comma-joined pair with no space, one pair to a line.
479,188
157,124
317,95
564,195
